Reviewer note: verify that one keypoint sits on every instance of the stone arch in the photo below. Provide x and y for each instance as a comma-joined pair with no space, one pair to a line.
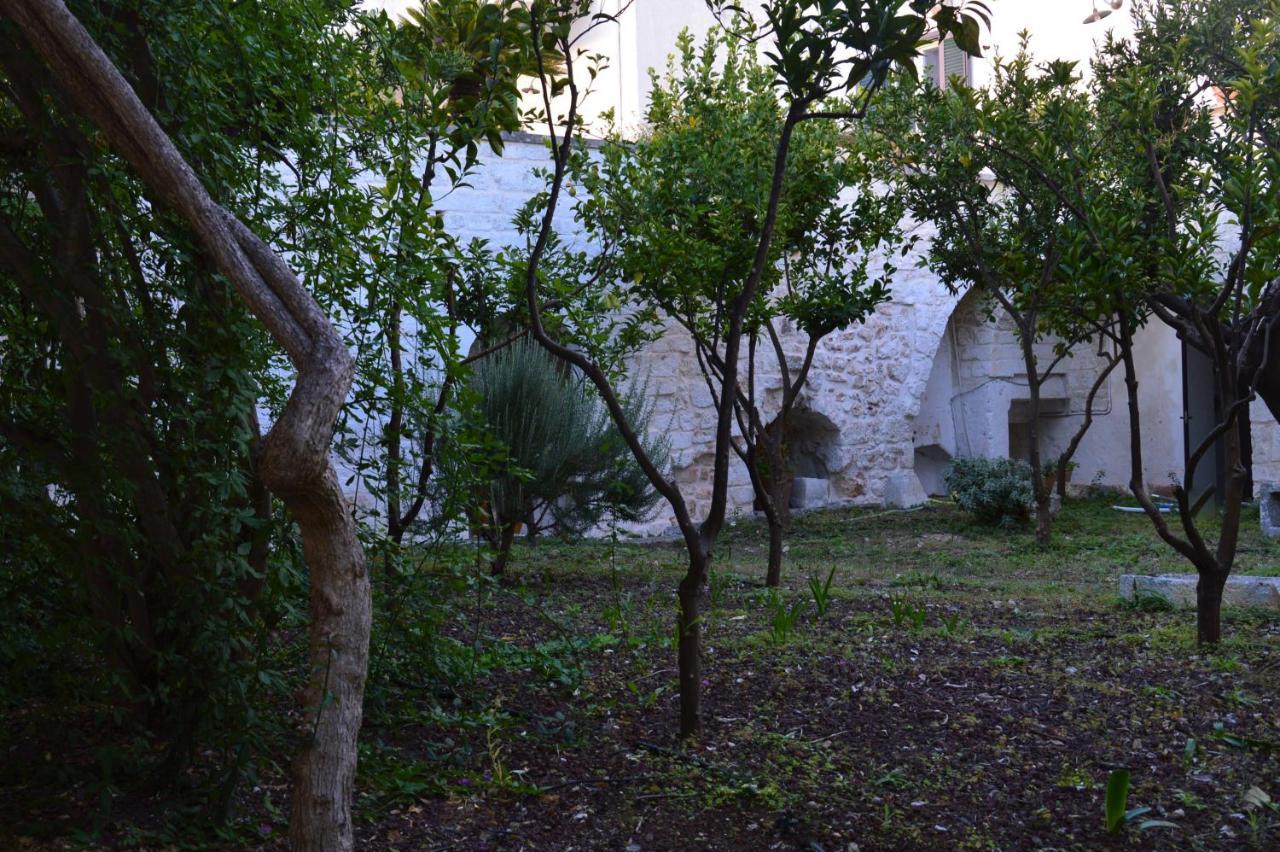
976,401
813,441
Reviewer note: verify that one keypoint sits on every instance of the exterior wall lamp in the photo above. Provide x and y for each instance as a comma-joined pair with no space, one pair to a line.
1098,14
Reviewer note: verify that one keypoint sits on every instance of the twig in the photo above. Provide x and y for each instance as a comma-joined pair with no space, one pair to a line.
583,781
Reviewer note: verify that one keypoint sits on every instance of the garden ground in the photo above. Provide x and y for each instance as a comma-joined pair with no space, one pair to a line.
961,690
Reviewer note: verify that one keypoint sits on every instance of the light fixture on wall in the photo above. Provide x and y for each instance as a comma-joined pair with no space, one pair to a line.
1098,14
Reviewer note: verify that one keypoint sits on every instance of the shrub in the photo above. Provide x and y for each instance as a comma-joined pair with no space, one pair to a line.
568,466
995,491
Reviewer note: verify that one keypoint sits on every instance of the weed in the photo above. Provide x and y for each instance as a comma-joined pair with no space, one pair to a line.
1074,779
1240,698
951,626
904,611
821,592
498,773
1190,800
1145,600
1238,741
918,580
1226,665
893,778
783,618
646,698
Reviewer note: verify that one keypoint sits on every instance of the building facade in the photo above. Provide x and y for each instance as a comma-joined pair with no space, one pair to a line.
932,375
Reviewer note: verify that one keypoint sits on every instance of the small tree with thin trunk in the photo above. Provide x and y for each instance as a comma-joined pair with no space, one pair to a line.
1180,218
815,53
967,160
680,205
409,120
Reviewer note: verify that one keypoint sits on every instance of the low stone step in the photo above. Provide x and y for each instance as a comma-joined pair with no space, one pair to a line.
1180,590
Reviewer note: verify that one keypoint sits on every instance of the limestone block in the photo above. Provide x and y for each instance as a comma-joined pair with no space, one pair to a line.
741,496
702,396
809,492
1268,496
1180,590
680,441
903,490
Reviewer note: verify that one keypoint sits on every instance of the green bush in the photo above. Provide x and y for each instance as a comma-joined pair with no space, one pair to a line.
995,491
568,467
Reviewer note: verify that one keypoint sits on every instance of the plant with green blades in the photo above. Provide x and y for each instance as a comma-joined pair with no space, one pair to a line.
951,625
821,592
569,467
1116,810
904,610
783,618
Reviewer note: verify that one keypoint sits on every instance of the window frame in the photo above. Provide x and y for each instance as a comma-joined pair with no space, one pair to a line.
938,48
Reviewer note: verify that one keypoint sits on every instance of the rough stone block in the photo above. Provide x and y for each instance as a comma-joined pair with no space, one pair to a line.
903,490
1268,494
1180,590
809,492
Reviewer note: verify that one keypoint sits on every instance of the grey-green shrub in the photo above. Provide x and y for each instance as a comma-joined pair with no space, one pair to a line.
568,467
995,491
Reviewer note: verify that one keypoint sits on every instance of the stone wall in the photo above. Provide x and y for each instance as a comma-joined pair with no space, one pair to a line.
928,371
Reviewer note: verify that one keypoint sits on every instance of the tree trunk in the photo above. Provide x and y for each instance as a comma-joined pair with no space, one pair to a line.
779,485
506,538
293,457
1044,517
776,532
1209,607
689,655
341,618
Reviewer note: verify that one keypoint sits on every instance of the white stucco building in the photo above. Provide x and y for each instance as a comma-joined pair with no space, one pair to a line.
928,378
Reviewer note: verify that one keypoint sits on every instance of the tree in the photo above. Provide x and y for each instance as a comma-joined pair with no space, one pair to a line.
566,468
458,64
293,457
969,162
680,207
816,53
409,113
1183,180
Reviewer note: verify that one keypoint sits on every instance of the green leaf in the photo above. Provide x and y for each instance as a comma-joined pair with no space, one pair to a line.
1117,797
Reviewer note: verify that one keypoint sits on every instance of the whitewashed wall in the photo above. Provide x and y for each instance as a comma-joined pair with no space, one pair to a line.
870,381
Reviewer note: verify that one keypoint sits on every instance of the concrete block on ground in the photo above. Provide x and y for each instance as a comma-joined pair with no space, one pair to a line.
1268,495
809,492
903,490
1180,590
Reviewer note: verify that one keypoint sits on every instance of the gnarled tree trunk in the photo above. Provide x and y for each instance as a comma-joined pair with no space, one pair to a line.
293,458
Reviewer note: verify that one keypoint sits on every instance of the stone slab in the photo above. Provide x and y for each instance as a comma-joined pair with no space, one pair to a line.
903,490
810,492
1268,495
1180,590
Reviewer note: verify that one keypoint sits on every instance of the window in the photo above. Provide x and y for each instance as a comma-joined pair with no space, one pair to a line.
944,60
